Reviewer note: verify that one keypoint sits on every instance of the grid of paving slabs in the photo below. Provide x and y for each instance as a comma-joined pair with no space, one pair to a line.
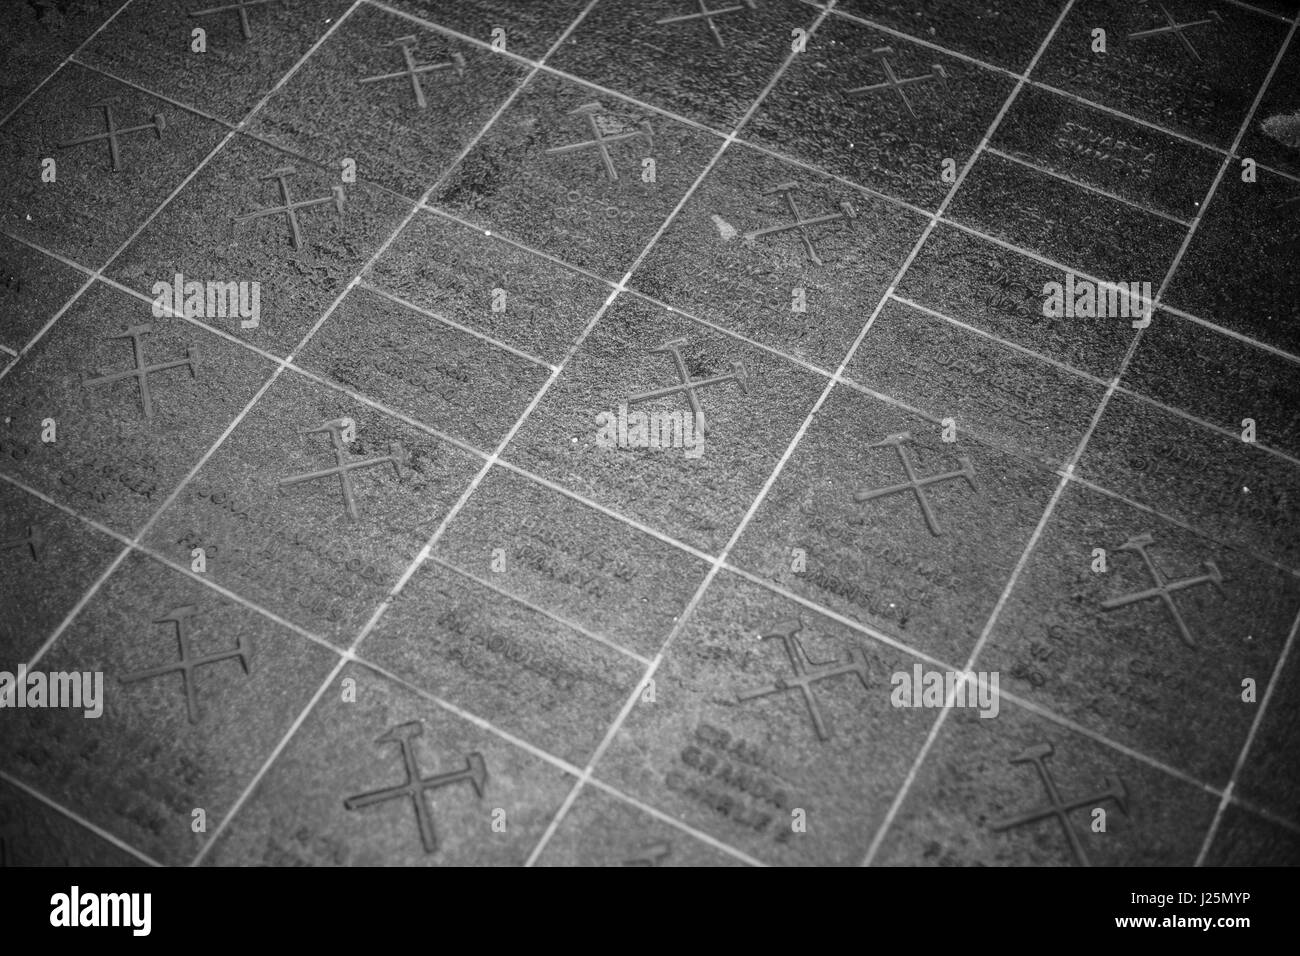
596,650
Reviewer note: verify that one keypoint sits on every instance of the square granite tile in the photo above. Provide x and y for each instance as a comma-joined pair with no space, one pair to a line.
838,108
491,655
1246,839
333,109
455,271
48,560
602,830
1239,269
1152,169
1270,778
1066,223
1219,379
564,169
669,54
696,490
711,263
482,801
530,29
33,833
982,284
1005,32
152,44
1197,76
1157,670
33,287
980,800
730,745
1279,100
1029,407
1232,490
200,236
294,548
122,445
91,208
417,365
38,36
933,583
166,744
572,561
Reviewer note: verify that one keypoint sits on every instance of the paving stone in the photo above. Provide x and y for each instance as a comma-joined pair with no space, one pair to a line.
99,195
201,237
1245,839
572,561
1197,75
977,282
1230,275
731,746
564,169
455,271
735,257
1152,659
292,544
402,131
1219,379
48,560
930,581
601,830
693,487
1025,405
482,801
33,287
529,29
171,743
1279,100
36,834
539,678
1065,222
880,110
37,39
424,368
152,44
971,799
1005,32
122,438
670,55
1228,488
1269,778
1151,169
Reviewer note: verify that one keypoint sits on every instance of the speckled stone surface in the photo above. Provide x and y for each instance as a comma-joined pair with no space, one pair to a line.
640,415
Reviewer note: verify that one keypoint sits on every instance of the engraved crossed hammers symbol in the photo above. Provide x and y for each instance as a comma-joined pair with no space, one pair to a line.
894,82
915,484
787,190
689,385
290,208
141,372
1058,807
396,457
242,7
114,131
707,16
456,63
34,541
601,141
188,663
1177,28
804,678
415,787
1164,590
